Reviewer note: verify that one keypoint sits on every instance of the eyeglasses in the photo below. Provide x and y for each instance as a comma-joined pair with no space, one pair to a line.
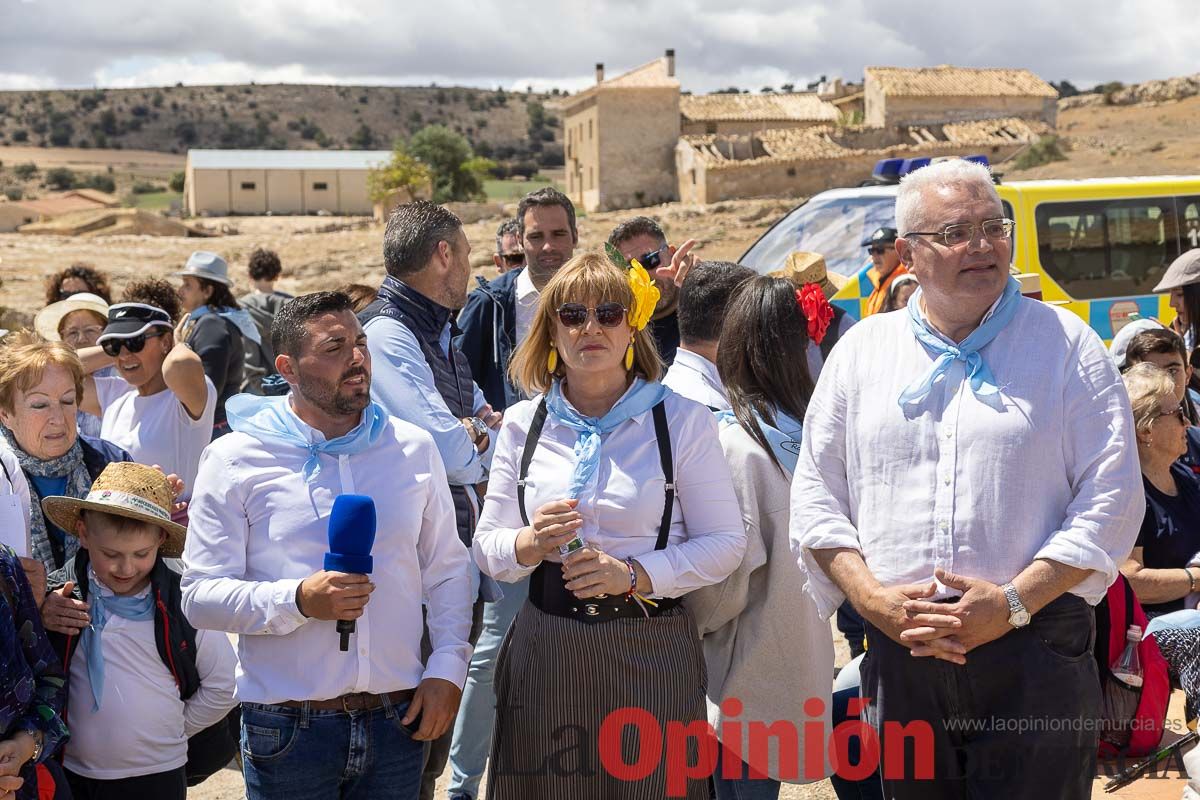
513,259
575,315
90,333
877,249
1178,412
653,259
134,344
963,232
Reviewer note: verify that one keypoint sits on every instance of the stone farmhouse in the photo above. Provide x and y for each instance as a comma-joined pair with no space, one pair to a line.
635,139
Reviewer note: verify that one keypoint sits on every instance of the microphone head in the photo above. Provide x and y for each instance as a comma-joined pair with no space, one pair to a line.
351,534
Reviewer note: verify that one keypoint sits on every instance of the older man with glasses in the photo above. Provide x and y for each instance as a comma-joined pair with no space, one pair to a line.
509,254
968,480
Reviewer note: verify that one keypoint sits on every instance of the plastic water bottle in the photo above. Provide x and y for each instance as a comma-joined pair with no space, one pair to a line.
1128,668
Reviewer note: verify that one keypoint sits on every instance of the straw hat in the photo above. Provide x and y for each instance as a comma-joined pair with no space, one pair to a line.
802,268
49,318
210,266
124,489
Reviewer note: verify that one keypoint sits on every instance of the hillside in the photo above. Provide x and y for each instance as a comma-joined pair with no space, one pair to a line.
509,127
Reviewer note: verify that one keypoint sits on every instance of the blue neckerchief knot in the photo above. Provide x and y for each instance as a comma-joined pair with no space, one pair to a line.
982,382
100,608
271,420
640,398
783,437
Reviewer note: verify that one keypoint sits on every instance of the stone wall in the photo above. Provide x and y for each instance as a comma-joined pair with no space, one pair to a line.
640,130
581,132
911,111
736,127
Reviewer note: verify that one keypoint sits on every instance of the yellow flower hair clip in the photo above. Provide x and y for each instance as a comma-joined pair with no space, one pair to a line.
645,295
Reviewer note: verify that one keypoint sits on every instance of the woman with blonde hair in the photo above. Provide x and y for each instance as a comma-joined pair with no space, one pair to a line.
1164,567
613,494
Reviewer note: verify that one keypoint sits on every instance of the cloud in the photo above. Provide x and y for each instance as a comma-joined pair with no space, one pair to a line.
534,42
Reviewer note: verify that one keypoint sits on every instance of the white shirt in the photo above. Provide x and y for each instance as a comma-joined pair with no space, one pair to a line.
156,429
526,304
14,503
257,529
142,725
695,377
622,505
958,484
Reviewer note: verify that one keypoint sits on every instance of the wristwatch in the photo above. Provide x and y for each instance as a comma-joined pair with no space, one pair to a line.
479,428
1018,616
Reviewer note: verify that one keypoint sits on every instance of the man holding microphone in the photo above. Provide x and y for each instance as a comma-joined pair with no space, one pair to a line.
318,722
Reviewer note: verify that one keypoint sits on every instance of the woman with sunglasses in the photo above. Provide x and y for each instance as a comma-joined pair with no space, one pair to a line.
611,493
160,405
41,385
1164,567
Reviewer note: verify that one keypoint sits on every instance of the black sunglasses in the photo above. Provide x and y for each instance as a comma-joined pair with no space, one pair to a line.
574,315
878,249
134,344
513,259
653,259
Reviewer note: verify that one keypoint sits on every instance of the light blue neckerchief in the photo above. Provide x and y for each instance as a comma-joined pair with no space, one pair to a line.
983,383
1185,619
100,607
784,436
270,419
238,316
640,398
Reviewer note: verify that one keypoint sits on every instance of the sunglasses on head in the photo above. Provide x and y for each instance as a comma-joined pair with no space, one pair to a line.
574,315
134,344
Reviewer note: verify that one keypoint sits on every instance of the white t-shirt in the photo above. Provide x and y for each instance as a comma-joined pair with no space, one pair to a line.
142,725
156,429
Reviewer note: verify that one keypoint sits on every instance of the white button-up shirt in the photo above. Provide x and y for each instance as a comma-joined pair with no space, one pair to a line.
622,505
526,304
695,377
1051,473
257,529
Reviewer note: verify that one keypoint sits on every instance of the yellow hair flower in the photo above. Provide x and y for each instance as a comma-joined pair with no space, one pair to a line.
645,295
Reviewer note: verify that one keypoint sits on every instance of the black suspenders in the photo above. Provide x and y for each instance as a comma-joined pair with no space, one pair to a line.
661,433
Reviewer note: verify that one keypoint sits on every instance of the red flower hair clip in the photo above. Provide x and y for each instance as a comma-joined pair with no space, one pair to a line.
816,309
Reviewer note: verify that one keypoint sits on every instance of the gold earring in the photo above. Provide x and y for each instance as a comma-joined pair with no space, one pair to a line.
552,360
629,357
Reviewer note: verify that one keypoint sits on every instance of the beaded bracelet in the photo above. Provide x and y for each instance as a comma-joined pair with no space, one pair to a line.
632,576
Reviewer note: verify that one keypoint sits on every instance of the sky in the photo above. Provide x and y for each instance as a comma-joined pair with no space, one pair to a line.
556,43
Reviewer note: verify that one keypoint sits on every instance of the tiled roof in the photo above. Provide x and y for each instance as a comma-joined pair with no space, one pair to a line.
958,82
652,75
803,106
814,144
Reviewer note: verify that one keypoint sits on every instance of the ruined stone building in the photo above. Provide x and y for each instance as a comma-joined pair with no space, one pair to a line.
635,140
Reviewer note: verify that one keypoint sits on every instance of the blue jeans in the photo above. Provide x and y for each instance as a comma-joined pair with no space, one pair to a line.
745,787
473,727
300,754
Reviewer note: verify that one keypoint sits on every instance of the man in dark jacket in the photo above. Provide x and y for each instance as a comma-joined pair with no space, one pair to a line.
498,314
642,238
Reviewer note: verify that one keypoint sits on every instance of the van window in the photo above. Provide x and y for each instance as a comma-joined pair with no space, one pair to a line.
1189,222
1107,248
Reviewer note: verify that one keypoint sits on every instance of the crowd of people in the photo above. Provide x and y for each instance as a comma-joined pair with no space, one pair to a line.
583,526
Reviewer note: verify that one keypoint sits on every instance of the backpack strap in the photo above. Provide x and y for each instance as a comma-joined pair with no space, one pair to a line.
531,440
661,433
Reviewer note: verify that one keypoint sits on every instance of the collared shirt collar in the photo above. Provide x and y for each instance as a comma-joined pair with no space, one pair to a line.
640,419
700,364
525,287
921,312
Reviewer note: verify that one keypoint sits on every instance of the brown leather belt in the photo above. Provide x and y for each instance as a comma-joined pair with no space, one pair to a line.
358,701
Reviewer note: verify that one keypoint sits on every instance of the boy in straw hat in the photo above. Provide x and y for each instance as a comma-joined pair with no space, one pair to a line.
144,679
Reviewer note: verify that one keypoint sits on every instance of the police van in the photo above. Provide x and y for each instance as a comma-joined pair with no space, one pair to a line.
1099,245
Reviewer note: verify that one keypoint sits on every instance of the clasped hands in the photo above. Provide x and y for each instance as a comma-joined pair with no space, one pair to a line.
588,572
941,630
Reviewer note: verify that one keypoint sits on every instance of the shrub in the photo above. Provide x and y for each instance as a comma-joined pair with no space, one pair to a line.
25,171
102,183
60,178
20,135
1044,151
176,182
13,192
145,187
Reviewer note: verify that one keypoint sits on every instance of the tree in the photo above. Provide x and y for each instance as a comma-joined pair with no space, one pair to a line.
401,173
176,183
457,172
60,178
363,138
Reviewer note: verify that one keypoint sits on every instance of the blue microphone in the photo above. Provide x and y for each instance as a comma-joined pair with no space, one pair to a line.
351,535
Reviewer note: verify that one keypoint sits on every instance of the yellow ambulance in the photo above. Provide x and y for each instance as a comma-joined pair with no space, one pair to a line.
1099,245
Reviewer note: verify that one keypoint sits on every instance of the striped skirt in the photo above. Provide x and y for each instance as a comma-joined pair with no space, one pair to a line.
556,682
